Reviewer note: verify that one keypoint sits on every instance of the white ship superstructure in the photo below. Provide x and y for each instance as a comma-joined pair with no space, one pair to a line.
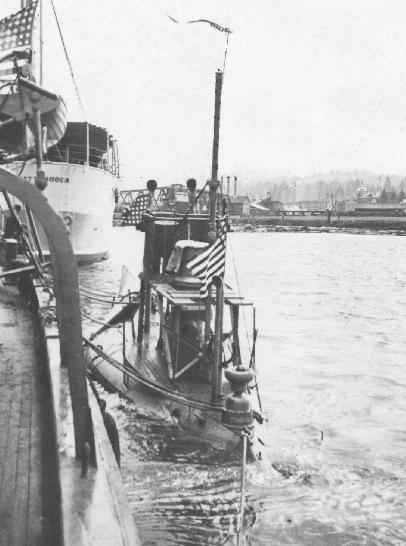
81,171
74,163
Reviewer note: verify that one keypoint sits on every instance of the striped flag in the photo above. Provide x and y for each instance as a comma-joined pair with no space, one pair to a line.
211,263
16,40
55,121
133,216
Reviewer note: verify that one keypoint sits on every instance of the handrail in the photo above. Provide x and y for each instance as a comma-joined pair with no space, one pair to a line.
77,154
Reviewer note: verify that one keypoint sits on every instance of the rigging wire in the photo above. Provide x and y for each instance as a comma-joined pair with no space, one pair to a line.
237,281
135,376
98,300
225,53
99,293
22,168
96,321
67,57
96,297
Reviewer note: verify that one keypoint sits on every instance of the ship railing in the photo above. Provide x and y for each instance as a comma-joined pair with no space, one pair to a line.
173,200
171,197
301,213
128,197
77,154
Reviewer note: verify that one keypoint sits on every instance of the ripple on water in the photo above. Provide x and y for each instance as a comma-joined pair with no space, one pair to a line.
331,312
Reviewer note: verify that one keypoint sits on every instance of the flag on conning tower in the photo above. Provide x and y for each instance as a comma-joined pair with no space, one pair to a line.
211,263
16,33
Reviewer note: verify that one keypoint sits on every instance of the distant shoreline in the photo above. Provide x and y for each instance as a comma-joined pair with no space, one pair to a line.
320,224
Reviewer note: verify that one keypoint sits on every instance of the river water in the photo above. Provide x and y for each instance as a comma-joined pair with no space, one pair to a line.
331,310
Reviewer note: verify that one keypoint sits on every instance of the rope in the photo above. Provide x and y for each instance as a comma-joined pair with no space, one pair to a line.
68,60
84,314
22,168
100,293
99,300
237,280
131,373
92,319
225,53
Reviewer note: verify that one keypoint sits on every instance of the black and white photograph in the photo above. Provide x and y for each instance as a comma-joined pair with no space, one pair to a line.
202,290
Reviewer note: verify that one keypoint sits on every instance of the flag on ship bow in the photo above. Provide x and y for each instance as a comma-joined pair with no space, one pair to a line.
16,36
211,263
133,215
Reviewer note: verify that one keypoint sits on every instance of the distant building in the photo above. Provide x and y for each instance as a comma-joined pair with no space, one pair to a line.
239,205
363,195
373,209
259,210
270,204
315,204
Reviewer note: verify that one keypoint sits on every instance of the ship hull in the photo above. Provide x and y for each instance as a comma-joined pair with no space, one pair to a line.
147,385
83,196
197,426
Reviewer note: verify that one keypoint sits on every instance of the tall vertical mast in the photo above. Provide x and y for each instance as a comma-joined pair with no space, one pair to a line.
218,327
41,44
217,107
215,154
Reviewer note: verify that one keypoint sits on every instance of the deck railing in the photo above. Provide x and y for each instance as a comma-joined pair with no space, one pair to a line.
80,155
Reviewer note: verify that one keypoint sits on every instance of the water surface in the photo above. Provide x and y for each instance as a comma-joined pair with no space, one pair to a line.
331,310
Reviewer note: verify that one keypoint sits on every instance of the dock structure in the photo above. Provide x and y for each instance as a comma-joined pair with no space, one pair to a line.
28,495
47,497
60,484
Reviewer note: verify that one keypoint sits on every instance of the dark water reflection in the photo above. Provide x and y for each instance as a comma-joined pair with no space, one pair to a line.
331,313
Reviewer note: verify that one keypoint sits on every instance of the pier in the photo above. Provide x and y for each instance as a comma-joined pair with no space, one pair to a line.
320,219
60,482
28,488
47,495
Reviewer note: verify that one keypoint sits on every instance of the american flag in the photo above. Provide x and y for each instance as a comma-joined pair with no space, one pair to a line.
16,37
134,215
211,263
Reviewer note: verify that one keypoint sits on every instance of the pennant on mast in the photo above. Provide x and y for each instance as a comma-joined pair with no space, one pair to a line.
213,24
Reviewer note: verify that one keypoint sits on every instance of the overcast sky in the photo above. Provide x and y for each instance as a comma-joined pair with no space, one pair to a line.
310,86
